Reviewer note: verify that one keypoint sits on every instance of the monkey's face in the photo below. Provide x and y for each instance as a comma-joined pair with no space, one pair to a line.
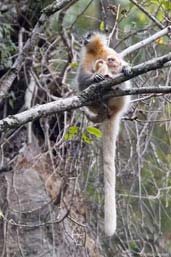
114,64
88,38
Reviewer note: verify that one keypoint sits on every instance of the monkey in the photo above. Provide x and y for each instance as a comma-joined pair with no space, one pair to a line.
100,111
97,63
109,67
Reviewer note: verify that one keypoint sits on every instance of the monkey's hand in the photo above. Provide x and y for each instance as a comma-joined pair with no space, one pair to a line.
98,78
126,70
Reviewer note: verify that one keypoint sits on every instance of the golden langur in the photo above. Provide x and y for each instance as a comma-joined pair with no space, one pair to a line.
99,62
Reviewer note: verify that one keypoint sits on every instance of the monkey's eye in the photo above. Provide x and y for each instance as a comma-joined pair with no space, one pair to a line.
111,59
89,35
87,38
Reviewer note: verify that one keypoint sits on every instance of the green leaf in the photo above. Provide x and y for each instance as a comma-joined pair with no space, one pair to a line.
167,4
102,26
86,139
73,65
72,131
94,131
133,245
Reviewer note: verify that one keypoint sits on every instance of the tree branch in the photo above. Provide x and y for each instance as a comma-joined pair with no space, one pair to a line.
95,92
100,88
151,17
7,80
146,41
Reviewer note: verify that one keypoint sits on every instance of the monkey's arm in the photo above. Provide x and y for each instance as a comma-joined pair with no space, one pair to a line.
86,78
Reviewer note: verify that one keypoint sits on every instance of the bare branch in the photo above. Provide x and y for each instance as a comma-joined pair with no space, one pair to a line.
115,25
142,68
55,6
146,41
13,223
39,111
89,95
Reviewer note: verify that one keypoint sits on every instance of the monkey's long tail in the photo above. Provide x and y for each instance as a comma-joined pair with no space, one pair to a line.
110,130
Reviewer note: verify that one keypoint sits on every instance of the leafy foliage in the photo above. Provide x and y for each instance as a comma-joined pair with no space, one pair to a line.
7,47
73,131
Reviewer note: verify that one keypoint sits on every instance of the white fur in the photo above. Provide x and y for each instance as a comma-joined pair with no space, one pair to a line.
110,132
110,128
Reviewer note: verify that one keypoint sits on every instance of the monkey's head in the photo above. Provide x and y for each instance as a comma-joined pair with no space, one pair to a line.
88,38
94,40
114,63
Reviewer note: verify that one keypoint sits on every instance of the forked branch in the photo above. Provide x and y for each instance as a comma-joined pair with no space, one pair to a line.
93,93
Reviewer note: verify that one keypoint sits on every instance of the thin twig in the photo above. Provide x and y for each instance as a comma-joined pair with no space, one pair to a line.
150,16
115,25
13,223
